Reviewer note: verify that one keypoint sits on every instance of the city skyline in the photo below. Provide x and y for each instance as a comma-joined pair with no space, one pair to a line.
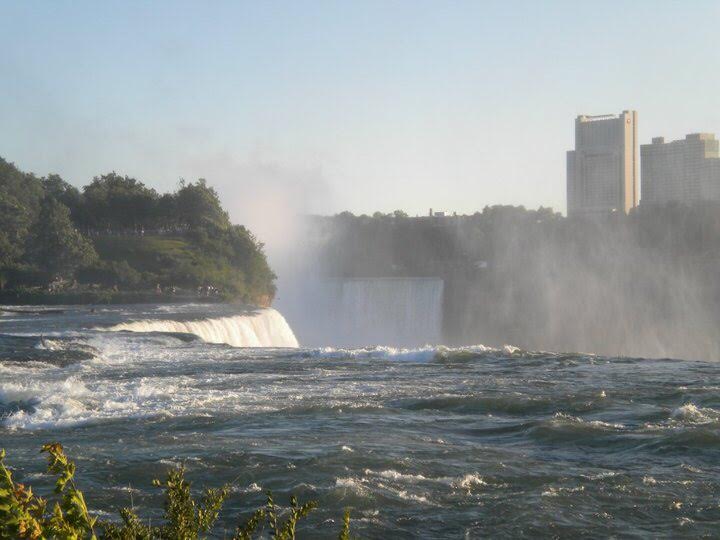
685,170
603,168
327,107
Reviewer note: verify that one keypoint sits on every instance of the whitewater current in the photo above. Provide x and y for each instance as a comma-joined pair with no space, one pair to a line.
429,442
263,328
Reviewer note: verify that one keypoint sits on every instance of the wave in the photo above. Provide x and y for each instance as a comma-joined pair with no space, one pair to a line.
44,404
262,328
420,354
60,351
441,353
692,414
418,488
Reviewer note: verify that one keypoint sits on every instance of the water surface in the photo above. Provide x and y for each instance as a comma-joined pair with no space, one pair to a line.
430,442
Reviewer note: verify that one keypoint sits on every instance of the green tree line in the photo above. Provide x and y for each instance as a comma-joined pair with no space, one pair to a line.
118,233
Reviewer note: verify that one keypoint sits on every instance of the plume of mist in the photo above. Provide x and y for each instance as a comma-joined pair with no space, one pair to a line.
272,198
267,196
597,287
638,285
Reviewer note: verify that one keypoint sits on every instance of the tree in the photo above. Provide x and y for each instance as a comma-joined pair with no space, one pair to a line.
119,202
26,188
20,195
166,211
56,245
13,228
70,196
198,206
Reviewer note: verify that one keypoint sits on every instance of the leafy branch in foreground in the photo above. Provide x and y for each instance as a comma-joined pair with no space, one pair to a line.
24,515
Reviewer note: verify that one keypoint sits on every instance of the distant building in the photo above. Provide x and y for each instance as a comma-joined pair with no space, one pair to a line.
685,171
602,171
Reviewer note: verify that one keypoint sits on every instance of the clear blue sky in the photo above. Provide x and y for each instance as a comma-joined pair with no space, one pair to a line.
324,106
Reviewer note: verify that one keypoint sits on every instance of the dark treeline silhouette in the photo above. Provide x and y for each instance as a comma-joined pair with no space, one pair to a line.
118,233
639,284
120,204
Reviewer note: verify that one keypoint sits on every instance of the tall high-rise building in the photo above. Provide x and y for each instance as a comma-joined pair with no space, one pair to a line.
684,171
602,171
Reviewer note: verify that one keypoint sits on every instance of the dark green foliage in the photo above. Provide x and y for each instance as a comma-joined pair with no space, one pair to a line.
185,517
70,196
110,274
284,530
13,229
118,203
132,528
50,229
56,245
198,206
297,511
20,196
24,515
20,511
26,189
70,517
246,530
345,531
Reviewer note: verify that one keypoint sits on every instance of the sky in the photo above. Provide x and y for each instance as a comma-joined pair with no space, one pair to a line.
318,107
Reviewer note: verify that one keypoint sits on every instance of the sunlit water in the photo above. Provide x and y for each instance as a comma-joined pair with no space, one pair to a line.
431,443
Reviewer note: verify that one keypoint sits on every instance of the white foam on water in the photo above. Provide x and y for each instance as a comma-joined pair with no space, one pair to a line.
471,480
467,482
354,484
404,494
420,354
692,414
97,390
553,491
649,481
263,328
391,474
362,485
561,418
252,488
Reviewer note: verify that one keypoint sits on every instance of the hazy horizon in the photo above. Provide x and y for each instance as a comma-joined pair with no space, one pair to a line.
323,107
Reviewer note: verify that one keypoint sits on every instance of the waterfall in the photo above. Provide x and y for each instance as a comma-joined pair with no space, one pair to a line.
263,328
386,311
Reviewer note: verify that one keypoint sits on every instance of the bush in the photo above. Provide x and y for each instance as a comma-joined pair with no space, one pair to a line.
25,276
24,515
109,274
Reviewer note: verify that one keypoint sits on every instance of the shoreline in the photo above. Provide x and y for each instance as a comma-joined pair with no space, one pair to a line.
93,297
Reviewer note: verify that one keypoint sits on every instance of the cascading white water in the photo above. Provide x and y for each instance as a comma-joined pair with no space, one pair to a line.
390,311
263,328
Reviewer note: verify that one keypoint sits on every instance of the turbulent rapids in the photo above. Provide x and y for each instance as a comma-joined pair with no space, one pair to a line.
430,442
263,328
